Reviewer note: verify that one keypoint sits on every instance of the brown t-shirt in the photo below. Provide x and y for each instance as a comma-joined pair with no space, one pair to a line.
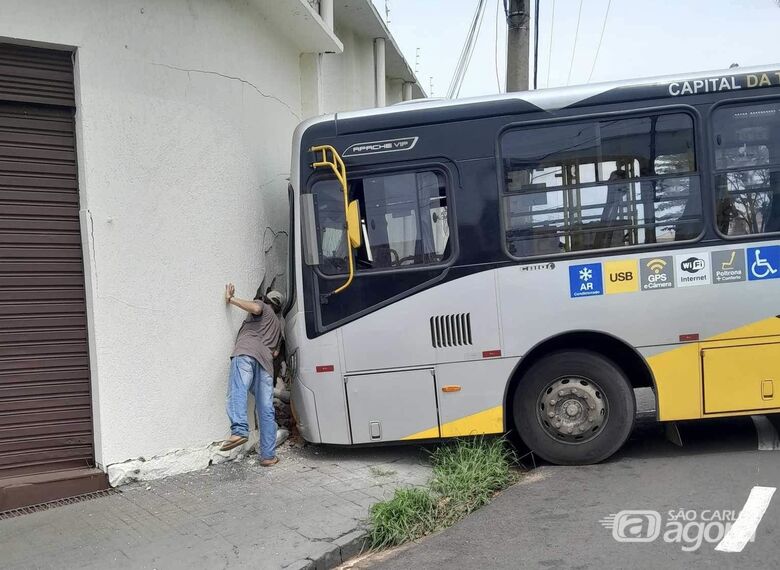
259,336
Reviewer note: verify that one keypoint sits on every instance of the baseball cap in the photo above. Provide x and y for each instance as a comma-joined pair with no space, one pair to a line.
275,298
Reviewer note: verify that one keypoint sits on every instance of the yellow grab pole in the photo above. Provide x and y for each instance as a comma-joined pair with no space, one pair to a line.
338,168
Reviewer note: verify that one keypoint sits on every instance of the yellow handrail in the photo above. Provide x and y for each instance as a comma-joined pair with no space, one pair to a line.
338,168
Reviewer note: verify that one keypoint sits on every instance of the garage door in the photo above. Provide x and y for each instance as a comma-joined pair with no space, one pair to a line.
45,404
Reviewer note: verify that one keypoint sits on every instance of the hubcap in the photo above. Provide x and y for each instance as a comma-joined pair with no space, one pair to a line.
572,409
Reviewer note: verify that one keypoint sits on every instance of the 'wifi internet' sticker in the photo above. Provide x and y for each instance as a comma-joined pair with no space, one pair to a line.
656,273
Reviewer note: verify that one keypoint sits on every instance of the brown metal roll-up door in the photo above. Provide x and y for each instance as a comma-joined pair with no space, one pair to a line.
32,75
45,402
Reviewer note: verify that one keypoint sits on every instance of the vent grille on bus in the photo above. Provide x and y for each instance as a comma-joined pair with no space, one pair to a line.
451,330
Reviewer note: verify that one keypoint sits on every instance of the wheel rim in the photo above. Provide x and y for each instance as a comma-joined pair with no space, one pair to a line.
572,409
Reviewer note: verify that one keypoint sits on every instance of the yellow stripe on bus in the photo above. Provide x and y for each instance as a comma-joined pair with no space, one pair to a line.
677,372
484,422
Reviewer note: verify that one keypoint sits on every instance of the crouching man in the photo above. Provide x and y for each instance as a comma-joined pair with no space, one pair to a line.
251,366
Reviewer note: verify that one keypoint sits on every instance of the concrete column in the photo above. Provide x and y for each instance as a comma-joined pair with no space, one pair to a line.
379,72
311,85
406,93
326,12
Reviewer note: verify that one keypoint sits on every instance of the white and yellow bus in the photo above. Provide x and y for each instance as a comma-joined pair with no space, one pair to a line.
524,261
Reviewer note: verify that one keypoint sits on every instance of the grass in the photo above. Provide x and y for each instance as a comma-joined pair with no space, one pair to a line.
466,475
410,514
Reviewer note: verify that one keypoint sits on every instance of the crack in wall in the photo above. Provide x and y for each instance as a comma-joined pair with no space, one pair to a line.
92,249
93,258
128,304
275,234
273,179
267,248
232,78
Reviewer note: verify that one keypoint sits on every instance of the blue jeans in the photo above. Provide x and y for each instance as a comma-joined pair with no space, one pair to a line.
246,375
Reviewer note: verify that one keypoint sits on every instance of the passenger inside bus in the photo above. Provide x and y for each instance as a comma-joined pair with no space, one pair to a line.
599,185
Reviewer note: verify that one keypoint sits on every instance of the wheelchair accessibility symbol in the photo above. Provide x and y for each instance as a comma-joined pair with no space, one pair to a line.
763,262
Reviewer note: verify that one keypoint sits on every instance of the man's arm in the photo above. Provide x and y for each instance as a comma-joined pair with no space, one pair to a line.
249,306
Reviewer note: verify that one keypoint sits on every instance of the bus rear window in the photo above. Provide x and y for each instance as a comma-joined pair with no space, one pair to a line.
600,184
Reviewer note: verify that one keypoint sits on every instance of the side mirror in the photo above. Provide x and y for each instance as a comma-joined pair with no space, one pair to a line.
353,223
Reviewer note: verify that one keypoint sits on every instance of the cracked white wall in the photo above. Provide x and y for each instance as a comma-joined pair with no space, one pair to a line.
185,111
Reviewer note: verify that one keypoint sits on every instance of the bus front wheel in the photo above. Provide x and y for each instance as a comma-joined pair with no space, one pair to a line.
574,407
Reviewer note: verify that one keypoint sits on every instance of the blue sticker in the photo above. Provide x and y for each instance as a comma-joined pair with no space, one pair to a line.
763,262
585,280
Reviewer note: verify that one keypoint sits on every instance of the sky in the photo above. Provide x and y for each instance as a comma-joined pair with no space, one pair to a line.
641,39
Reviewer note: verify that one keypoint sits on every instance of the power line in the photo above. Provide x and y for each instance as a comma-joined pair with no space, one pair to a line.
574,49
549,53
471,51
498,79
601,37
463,51
466,51
536,44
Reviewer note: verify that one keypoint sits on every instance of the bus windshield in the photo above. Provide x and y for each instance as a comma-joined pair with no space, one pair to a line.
403,219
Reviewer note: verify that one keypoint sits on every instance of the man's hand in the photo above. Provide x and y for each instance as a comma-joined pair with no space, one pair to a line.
249,306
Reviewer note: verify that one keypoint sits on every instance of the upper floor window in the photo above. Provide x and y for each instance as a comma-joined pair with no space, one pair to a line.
403,218
747,168
600,184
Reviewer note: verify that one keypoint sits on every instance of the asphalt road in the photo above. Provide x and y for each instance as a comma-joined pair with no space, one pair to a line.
552,519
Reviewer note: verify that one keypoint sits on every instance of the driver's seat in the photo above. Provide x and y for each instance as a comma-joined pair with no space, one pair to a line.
382,256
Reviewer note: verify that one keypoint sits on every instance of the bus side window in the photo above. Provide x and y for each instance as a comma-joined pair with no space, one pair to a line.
600,184
747,168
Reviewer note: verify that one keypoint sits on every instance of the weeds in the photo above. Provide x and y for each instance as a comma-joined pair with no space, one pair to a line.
409,515
466,475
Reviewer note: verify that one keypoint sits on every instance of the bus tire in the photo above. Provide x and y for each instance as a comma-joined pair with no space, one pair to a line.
574,407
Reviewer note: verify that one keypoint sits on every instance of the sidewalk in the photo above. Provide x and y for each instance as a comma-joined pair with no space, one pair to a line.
306,509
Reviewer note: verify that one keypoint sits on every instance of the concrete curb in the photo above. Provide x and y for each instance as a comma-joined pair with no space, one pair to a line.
341,550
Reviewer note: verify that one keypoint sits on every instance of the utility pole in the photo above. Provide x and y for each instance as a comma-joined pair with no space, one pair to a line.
517,42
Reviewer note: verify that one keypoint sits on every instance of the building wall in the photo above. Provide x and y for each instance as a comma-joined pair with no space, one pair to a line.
348,78
185,111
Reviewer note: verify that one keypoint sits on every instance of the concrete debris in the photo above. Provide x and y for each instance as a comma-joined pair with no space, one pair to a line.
281,436
282,393
174,462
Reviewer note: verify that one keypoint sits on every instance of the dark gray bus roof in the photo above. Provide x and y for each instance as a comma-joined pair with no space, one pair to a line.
737,81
